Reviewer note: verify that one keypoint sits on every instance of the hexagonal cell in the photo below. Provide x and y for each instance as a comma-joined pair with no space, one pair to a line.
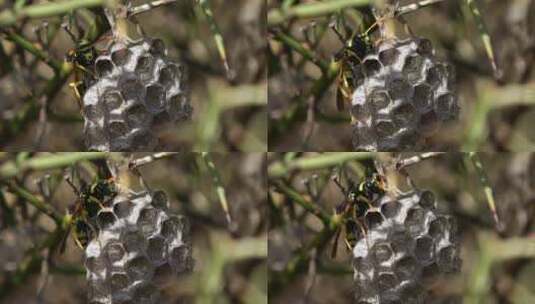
446,107
98,290
145,66
133,242
123,209
93,112
371,66
361,265
137,116
131,87
406,268
159,199
414,222
157,47
408,139
399,88
155,99
437,227
181,258
412,68
389,56
425,248
425,47
452,226
362,137
379,99
162,274
390,209
117,129
373,219
144,141
174,226
448,260
95,265
139,268
404,114
112,100
430,271
103,67
386,281
401,241
118,281
384,128
115,252
95,135
382,252
105,219
428,123
422,96
433,75
145,293
121,56
148,220
168,76
427,200
156,249
178,107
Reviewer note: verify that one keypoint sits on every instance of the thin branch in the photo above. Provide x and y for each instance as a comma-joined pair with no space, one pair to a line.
138,162
401,164
282,168
132,11
489,193
220,189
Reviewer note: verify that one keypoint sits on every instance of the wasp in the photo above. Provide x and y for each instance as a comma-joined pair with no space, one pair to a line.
356,47
83,56
91,198
358,199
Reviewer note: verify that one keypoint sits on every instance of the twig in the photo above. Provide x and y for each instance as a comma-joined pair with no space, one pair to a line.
307,205
220,189
47,161
281,168
10,16
409,8
132,11
401,164
34,201
138,162
489,193
218,38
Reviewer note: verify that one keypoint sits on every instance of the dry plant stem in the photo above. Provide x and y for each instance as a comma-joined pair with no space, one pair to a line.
138,162
132,11
400,165
306,204
33,200
220,189
489,193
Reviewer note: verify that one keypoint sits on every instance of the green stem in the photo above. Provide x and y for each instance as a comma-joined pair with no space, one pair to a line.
10,16
309,10
280,169
44,162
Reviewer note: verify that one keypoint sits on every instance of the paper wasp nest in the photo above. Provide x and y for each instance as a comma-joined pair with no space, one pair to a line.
139,244
137,86
408,241
404,94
